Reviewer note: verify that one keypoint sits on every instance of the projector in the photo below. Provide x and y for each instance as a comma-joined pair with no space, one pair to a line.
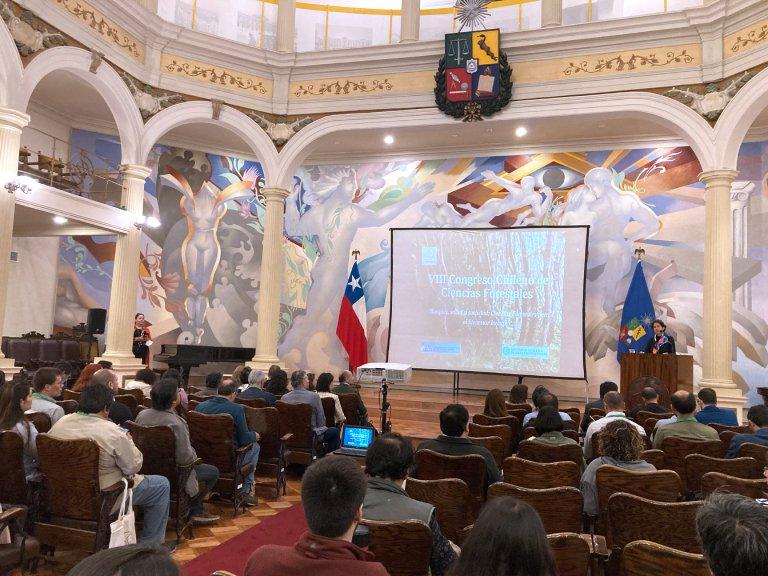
389,371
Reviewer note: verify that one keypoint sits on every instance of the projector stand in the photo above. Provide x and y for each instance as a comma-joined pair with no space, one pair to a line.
386,425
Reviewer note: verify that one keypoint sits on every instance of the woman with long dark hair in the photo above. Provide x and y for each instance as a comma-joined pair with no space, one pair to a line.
495,405
324,391
15,399
278,383
508,539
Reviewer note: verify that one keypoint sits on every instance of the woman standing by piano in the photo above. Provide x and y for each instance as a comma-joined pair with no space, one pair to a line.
141,338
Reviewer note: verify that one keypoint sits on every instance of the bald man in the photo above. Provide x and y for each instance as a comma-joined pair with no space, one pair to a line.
347,387
686,426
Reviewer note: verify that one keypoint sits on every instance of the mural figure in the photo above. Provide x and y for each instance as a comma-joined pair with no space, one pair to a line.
439,215
518,195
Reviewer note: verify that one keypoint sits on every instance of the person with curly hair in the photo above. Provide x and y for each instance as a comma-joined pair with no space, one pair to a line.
622,446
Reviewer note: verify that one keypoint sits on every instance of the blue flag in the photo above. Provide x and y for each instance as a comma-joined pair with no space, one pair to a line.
637,316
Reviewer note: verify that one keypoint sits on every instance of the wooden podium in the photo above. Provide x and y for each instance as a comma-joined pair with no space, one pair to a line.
674,370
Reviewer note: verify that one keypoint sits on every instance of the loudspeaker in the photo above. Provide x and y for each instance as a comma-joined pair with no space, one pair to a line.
97,318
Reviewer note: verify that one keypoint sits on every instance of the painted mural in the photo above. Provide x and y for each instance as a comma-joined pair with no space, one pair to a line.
200,270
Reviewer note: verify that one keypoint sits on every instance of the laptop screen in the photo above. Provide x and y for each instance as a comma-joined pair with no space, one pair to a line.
357,437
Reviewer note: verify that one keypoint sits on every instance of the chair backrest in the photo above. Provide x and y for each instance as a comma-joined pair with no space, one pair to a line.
724,428
251,402
597,443
70,469
70,395
559,508
41,420
501,430
575,415
197,398
595,414
513,422
470,468
696,465
717,481
495,445
530,432
157,445
756,451
69,406
644,415
649,424
20,349
676,449
524,406
571,554
518,413
404,548
725,438
538,452
669,523
49,351
329,411
296,419
213,438
653,456
70,351
13,484
349,407
451,499
265,421
539,475
643,558
130,401
135,392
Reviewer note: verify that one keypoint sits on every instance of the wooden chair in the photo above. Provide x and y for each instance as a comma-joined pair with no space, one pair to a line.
725,438
597,443
213,438
193,389
73,510
518,413
135,392
192,404
41,420
501,430
349,404
251,402
571,553
451,499
22,550
655,457
495,445
69,406
540,475
537,452
296,419
649,425
575,415
130,401
512,421
13,483
644,415
404,548
643,558
719,482
524,406
596,414
756,451
157,445
70,395
198,398
273,448
329,411
696,465
676,449
470,468
559,508
724,428
530,432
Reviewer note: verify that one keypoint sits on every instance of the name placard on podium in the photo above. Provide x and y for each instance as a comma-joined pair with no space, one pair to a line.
674,370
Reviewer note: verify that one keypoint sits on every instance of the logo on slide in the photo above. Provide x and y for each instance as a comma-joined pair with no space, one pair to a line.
429,255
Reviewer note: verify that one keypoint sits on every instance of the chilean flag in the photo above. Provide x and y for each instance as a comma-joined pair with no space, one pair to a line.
351,326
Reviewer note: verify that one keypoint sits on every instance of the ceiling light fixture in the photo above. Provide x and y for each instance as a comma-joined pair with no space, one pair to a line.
521,131
389,139
60,220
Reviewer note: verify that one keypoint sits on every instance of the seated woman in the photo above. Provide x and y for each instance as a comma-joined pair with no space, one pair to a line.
495,405
16,398
622,446
323,388
548,426
518,394
278,383
85,377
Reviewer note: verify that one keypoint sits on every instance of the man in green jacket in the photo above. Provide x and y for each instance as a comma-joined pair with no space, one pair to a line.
686,426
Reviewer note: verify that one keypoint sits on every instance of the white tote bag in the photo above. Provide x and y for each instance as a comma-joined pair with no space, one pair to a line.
123,530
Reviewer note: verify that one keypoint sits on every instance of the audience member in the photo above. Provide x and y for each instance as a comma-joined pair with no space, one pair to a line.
237,374
67,372
47,386
165,398
614,409
545,399
757,419
453,424
599,404
495,404
686,426
622,446
650,403
175,375
213,381
300,395
709,413
549,430
324,391
118,413
733,530
277,383
85,376
332,493
388,462
119,458
507,539
256,379
15,399
131,560
345,386
518,394
538,391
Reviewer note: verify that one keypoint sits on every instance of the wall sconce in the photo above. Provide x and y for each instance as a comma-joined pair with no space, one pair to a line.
142,221
25,184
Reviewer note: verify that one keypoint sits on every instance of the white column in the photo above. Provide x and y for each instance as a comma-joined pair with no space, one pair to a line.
740,196
551,13
122,300
409,21
272,264
11,123
286,26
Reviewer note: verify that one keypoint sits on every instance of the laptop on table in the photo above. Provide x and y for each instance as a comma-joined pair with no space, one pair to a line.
355,440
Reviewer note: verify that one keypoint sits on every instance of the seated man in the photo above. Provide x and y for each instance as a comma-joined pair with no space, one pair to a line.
332,493
224,404
300,395
118,458
118,413
757,418
387,463
605,387
709,413
733,530
545,399
47,386
165,398
255,389
345,387
212,383
453,423
650,403
686,426
614,407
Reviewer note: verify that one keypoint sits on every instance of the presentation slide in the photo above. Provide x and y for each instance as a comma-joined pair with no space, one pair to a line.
500,300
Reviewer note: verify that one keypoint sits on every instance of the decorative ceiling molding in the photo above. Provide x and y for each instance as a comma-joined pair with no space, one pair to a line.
746,39
709,100
149,100
224,78
30,34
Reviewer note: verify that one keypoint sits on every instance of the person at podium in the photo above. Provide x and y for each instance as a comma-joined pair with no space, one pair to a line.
660,342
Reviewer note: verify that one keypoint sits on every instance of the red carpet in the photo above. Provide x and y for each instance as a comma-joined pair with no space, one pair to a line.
284,529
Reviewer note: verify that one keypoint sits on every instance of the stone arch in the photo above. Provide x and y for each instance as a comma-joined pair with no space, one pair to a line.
11,67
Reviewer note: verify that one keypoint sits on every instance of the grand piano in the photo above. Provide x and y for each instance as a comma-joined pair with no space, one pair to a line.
185,356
